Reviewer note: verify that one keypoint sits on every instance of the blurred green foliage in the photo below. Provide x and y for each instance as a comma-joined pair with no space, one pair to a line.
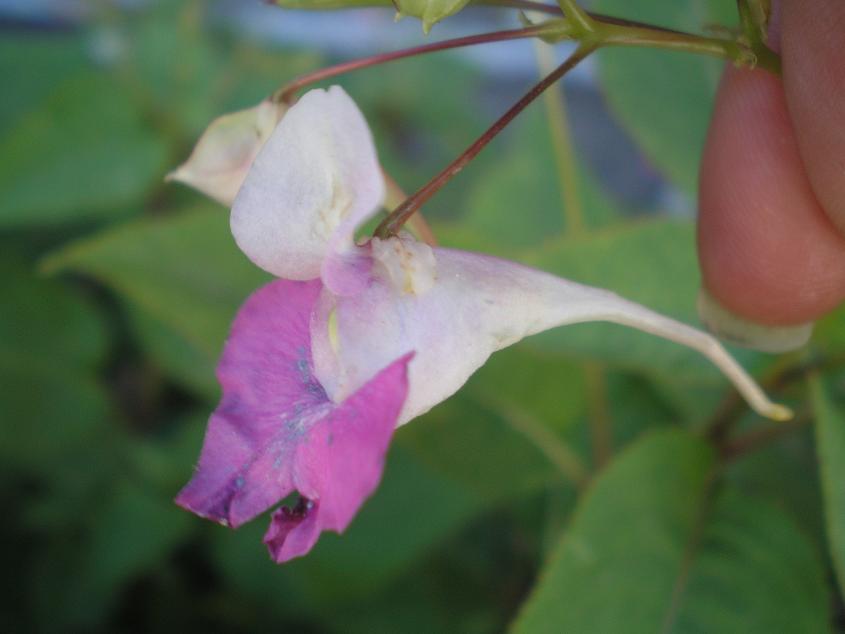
571,471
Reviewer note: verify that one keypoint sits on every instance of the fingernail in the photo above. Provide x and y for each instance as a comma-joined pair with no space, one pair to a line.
742,332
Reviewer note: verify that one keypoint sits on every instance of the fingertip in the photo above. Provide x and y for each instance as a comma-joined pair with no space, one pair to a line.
768,252
813,41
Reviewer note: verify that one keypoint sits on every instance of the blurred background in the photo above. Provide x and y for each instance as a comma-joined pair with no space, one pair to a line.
118,290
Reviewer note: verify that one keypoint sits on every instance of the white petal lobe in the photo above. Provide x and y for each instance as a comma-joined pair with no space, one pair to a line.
224,153
315,180
478,305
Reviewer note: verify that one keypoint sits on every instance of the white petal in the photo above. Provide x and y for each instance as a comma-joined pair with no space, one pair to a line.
222,156
477,305
316,179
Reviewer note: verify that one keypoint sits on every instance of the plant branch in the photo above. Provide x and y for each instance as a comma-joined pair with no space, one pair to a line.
564,150
561,455
287,93
601,434
550,9
417,223
759,437
394,221
733,407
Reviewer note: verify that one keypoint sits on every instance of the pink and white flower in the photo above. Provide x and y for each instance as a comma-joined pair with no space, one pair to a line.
356,339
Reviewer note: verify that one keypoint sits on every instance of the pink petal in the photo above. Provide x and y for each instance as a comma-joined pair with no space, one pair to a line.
275,430
341,463
268,393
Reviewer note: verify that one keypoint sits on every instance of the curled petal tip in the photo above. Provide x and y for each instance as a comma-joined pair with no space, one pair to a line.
780,413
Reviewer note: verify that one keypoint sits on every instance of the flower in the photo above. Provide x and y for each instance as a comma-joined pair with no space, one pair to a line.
355,339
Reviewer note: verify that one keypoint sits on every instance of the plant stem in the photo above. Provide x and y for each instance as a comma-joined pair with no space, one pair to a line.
759,437
561,455
601,435
613,35
573,210
394,221
612,31
395,196
579,18
287,93
733,407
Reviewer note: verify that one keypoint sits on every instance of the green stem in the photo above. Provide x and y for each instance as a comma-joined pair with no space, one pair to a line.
759,437
733,50
601,434
561,455
573,210
580,19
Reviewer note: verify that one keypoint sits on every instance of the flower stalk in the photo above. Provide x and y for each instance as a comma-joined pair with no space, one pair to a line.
557,28
398,217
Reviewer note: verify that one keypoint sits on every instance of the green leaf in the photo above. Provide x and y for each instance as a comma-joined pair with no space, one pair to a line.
51,325
549,387
651,262
663,97
488,451
516,202
180,359
47,60
50,344
79,577
655,547
785,471
429,11
191,74
829,334
134,531
183,270
86,152
830,446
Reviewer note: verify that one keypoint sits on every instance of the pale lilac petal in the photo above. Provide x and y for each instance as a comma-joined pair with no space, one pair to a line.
224,153
316,179
477,305
341,463
347,273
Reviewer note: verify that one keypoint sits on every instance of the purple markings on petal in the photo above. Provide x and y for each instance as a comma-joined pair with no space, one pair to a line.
340,464
275,430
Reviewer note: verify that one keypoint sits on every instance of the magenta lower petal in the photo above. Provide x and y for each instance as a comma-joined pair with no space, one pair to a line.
340,463
276,432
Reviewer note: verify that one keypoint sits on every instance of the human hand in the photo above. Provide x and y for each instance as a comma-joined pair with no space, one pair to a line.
771,232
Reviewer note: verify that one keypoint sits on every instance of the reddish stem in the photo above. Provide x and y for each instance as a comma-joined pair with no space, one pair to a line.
398,217
288,92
